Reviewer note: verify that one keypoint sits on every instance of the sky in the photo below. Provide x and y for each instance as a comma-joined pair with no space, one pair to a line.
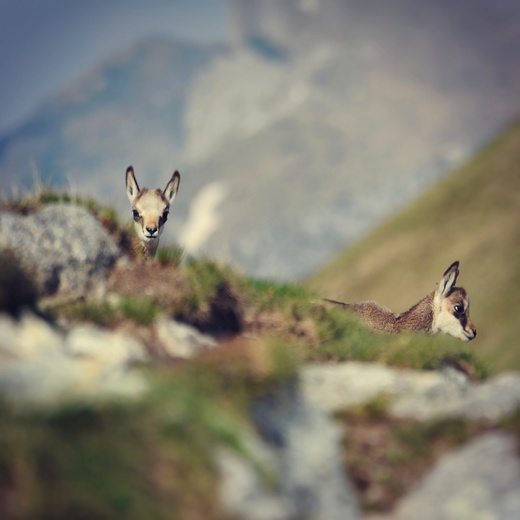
46,44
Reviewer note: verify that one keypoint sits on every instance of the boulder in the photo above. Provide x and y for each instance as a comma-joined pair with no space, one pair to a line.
40,363
63,246
299,444
181,340
416,394
479,481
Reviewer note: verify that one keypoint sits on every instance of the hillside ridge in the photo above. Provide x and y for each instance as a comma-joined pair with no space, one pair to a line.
188,389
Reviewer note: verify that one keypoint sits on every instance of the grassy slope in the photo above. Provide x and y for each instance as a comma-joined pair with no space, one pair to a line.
473,216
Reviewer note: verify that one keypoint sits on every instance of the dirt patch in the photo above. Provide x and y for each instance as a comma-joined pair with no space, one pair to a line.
274,323
220,316
162,285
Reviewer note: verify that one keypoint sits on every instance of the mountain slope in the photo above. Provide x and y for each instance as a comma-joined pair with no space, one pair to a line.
129,109
473,216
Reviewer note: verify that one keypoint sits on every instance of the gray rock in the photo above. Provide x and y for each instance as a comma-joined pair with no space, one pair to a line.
488,401
65,247
244,493
41,364
332,387
181,340
415,394
109,347
481,481
304,444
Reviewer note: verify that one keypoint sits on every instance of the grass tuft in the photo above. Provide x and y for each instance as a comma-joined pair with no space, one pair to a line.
268,295
170,255
139,310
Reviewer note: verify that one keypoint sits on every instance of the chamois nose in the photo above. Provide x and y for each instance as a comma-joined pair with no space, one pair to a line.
474,332
151,230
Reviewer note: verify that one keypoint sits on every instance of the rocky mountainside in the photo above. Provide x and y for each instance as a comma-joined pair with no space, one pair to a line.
182,389
316,121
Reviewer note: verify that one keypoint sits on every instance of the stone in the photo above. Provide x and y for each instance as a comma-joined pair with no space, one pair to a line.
64,246
40,363
336,386
421,395
109,347
243,492
308,446
181,340
489,401
481,481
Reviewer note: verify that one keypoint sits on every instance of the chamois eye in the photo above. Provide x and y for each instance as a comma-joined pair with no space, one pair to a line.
136,215
459,309
164,217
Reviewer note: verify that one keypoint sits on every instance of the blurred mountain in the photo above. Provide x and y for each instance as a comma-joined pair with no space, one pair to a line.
319,119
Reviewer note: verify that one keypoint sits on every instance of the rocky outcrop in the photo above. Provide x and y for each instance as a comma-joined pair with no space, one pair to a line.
481,480
63,245
413,393
180,340
40,363
300,446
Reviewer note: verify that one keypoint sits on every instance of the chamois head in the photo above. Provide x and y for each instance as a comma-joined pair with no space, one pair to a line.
150,209
451,307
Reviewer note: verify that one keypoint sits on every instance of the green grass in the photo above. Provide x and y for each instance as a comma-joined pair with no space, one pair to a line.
108,314
271,295
139,310
170,255
99,313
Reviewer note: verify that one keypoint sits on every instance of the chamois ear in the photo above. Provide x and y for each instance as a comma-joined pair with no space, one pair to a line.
132,188
172,187
448,280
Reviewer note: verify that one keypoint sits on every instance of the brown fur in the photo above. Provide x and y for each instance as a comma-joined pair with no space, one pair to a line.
381,319
431,314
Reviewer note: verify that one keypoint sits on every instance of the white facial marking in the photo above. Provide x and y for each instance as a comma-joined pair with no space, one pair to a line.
448,324
453,323
151,208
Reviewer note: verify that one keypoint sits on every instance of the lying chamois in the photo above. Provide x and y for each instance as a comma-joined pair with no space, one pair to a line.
444,310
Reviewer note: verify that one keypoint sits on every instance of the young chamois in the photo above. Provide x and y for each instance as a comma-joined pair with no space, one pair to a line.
444,310
150,209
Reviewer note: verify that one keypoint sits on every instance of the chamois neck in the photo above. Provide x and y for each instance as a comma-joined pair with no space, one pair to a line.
418,318
146,250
